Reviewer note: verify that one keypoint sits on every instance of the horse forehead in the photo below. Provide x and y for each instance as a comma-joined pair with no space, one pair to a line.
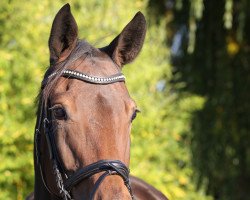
114,93
98,64
75,91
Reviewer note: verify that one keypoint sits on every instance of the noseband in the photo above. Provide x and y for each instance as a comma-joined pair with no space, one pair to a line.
64,182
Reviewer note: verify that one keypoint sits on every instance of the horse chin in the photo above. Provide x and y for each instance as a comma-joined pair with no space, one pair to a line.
111,188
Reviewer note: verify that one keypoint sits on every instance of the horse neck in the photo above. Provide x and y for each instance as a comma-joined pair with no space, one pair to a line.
40,191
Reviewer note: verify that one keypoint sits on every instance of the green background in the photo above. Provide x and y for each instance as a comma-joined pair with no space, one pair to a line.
181,142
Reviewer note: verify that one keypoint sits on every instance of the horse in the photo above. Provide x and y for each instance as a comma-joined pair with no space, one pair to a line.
84,116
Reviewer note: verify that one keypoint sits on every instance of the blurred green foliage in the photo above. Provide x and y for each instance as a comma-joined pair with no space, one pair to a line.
160,151
210,54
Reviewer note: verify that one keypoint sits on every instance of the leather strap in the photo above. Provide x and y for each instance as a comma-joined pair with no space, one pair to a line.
91,79
114,166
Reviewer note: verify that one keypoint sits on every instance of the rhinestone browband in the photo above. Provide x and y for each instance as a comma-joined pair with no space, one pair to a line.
91,79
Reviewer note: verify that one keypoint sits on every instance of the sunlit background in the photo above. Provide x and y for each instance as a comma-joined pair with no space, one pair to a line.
191,83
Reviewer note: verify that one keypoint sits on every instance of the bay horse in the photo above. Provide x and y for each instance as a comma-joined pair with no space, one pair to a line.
82,134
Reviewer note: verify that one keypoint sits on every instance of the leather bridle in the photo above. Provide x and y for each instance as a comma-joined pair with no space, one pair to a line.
65,182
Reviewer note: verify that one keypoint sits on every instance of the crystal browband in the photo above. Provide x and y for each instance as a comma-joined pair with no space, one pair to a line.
91,79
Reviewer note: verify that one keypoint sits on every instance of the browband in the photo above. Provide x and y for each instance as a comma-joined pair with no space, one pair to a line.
91,79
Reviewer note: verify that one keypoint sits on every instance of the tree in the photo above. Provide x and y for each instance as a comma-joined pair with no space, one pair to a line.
210,53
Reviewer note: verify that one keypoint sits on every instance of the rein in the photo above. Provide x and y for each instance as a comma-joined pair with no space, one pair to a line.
64,182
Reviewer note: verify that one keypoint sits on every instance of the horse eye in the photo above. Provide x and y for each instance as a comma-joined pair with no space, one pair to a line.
134,114
59,112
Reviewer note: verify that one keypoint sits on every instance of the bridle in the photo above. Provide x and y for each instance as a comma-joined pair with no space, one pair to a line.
64,182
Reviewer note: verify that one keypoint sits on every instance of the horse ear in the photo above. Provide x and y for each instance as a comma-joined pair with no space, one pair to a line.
63,35
127,45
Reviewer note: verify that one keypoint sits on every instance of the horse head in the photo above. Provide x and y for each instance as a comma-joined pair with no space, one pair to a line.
85,113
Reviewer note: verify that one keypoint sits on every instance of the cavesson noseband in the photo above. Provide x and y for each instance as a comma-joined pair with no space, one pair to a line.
64,182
